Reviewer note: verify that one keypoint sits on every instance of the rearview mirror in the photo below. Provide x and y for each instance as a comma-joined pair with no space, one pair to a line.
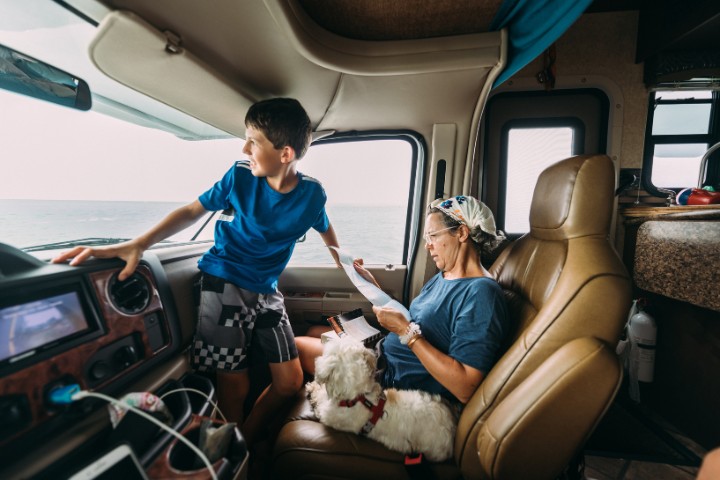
28,76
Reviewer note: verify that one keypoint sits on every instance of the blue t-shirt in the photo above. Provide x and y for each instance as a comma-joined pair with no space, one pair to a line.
255,241
464,318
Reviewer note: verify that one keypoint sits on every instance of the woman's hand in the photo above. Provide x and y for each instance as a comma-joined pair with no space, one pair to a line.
391,319
358,264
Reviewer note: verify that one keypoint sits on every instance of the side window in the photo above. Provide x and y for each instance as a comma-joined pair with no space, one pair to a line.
682,125
530,147
368,186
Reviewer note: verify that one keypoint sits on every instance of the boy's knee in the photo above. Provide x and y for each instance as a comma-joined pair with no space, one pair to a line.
287,377
288,385
290,388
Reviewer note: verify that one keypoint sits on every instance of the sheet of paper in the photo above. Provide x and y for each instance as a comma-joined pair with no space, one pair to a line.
359,328
376,296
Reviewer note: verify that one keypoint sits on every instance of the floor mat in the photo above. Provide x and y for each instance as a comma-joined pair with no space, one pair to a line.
628,432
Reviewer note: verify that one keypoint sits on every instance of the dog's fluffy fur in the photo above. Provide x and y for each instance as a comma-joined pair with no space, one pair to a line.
413,421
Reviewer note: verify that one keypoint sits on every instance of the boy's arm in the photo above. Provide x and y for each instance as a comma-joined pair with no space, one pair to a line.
132,250
330,239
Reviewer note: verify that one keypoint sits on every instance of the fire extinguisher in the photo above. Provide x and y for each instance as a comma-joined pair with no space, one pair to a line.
642,333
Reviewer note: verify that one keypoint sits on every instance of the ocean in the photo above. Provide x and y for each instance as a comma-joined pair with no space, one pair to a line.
374,233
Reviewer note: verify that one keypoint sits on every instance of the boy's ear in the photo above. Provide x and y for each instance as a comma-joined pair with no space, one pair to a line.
287,154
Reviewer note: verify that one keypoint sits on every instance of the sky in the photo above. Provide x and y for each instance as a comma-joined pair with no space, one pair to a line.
52,152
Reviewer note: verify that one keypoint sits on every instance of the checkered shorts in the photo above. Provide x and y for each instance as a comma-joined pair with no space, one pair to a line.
232,320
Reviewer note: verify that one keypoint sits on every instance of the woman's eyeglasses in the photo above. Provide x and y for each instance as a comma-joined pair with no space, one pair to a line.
430,236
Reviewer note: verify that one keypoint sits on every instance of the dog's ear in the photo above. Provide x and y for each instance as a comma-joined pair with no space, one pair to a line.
323,369
370,359
329,372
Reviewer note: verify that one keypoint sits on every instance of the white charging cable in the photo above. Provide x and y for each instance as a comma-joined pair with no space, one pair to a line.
199,392
83,394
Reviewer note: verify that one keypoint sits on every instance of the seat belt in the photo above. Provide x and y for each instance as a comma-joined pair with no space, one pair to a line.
417,467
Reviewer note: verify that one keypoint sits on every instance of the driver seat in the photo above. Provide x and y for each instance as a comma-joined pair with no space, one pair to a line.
568,295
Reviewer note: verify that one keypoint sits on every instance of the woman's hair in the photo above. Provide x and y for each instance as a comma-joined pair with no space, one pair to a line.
283,121
484,243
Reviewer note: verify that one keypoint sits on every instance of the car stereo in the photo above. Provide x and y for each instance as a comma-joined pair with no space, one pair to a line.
37,323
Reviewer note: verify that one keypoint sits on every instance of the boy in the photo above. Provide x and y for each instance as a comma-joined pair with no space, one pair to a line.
272,205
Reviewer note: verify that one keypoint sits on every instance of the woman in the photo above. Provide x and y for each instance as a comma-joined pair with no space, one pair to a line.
458,319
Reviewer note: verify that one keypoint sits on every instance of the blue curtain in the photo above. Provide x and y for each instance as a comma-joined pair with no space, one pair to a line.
533,25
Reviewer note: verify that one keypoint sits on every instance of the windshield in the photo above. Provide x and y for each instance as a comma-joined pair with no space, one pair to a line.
99,176
71,177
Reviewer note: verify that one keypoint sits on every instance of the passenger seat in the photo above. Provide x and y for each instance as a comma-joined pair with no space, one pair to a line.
568,294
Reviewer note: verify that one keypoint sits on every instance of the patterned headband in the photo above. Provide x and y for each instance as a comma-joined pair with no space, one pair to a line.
469,211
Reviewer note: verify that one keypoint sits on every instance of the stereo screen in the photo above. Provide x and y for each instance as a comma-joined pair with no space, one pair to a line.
31,325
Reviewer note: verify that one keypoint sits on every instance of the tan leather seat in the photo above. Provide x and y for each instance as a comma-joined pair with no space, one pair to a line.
569,294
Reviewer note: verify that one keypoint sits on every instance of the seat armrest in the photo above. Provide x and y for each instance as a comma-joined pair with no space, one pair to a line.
535,431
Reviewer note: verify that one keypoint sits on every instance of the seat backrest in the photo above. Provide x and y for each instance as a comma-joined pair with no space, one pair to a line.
563,280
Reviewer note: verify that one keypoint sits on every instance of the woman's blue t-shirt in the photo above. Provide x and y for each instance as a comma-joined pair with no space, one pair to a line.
254,242
464,318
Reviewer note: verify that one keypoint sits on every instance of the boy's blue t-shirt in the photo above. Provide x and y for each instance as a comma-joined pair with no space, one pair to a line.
464,318
254,243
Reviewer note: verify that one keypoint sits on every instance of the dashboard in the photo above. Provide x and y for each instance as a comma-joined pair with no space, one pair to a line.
62,325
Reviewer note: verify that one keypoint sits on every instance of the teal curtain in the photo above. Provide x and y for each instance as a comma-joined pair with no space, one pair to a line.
533,25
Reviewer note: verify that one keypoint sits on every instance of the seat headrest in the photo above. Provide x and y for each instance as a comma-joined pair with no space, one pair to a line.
573,198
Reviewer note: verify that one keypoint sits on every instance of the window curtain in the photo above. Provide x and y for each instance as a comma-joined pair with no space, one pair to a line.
533,25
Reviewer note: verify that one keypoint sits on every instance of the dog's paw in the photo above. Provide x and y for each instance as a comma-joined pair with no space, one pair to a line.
314,393
310,388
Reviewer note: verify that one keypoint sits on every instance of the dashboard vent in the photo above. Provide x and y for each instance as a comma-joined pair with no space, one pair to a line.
132,295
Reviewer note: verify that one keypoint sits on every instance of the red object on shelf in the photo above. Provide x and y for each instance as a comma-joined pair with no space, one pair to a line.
703,197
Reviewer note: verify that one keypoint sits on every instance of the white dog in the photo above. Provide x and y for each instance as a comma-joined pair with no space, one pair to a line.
345,396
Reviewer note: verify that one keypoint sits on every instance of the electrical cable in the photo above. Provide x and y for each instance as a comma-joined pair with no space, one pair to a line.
200,392
84,394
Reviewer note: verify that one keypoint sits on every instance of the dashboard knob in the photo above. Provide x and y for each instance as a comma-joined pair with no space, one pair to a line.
99,370
126,356
15,414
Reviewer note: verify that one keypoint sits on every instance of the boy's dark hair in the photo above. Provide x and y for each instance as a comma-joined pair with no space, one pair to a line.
283,121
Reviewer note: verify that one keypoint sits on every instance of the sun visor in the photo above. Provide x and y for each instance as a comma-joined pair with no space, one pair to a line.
134,53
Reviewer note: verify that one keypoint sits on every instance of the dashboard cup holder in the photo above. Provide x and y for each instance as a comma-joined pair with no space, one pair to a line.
179,461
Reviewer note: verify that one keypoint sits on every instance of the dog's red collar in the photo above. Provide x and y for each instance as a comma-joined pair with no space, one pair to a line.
376,410
359,398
